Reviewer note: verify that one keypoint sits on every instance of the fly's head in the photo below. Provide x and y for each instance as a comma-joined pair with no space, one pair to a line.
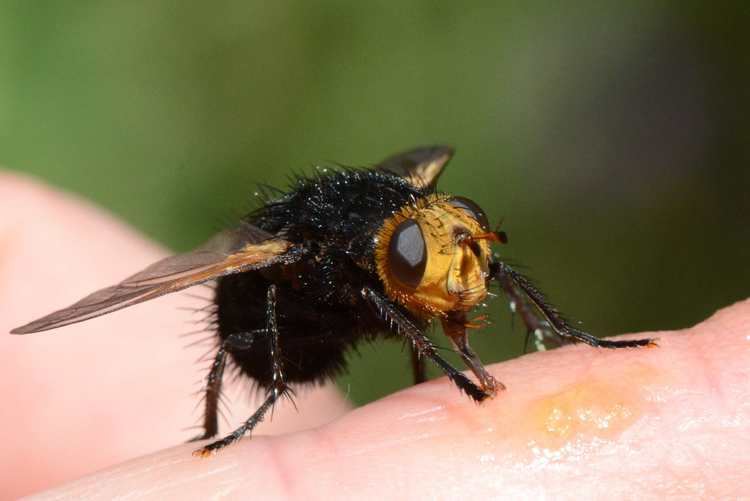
433,256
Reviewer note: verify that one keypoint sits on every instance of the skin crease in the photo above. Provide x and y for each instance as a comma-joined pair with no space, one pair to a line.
672,421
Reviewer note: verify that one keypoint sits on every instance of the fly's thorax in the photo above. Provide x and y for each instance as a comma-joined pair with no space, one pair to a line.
427,260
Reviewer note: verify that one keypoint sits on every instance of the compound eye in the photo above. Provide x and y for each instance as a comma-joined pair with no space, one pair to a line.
407,253
473,209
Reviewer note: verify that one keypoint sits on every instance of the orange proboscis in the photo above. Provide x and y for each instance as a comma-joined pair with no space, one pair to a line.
478,322
492,236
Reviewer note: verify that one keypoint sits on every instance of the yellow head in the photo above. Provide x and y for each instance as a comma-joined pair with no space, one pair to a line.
433,256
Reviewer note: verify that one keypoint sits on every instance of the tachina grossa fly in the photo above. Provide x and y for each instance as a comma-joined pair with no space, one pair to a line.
343,256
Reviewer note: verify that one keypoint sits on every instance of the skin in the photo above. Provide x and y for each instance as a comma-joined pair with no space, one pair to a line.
113,395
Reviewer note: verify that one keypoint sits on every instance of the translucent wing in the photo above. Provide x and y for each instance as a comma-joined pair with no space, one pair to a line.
244,248
420,166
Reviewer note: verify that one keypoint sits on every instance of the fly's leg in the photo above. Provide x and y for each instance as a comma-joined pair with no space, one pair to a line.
518,288
277,389
213,392
455,329
246,427
401,324
239,341
418,369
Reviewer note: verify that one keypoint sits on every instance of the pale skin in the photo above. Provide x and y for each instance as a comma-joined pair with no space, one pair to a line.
115,395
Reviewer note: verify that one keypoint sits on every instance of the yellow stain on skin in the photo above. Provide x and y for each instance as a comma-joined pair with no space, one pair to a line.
594,409
584,409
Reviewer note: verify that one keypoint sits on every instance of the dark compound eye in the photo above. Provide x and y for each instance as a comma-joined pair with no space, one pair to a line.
407,253
473,209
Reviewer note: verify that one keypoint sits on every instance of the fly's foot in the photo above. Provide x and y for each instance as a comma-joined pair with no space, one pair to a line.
490,385
212,448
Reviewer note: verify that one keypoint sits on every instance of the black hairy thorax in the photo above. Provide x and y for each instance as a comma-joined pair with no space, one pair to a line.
320,312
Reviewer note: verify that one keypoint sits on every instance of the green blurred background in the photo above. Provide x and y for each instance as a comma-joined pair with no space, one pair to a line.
612,138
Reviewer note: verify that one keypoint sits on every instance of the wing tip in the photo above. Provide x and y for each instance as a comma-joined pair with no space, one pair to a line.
24,329
38,325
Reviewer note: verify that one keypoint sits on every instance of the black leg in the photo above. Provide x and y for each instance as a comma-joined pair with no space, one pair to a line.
455,329
518,288
234,342
417,366
401,324
275,392
543,340
213,392
246,427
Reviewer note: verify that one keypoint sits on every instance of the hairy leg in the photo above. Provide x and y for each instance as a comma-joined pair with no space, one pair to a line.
402,325
518,288
277,389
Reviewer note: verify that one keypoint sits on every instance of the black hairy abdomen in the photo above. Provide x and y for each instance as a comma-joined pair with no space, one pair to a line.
313,337
320,312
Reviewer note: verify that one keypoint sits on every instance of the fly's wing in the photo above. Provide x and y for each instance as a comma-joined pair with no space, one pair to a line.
421,167
242,249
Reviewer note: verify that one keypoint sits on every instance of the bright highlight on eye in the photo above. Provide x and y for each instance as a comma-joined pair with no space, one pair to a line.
407,253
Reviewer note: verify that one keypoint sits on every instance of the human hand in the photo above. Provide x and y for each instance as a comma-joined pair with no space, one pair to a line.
577,422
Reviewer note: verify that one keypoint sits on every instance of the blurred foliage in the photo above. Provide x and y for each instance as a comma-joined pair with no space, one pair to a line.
612,137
